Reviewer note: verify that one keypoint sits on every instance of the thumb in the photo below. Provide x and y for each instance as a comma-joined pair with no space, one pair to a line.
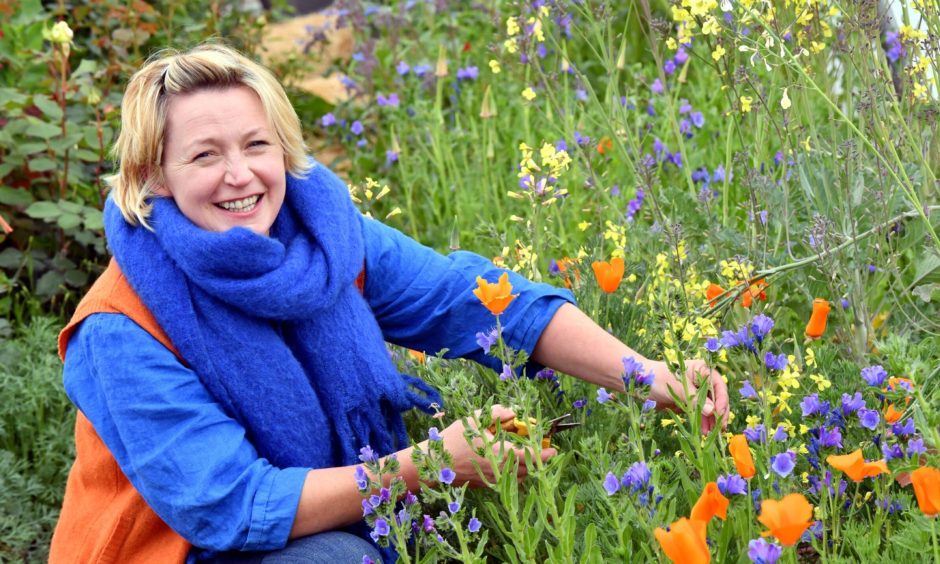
548,453
709,407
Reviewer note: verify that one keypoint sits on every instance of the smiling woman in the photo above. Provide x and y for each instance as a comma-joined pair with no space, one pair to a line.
230,364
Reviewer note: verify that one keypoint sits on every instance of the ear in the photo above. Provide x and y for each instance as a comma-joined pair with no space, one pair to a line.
157,183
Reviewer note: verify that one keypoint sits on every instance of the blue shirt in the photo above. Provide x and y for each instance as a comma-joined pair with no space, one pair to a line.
193,464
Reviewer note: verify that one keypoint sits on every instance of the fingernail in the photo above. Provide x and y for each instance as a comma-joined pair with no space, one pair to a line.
709,408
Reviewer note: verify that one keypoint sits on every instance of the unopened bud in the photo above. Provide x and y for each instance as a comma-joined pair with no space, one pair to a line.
60,33
487,108
441,70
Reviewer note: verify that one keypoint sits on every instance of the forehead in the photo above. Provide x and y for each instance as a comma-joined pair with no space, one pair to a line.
226,109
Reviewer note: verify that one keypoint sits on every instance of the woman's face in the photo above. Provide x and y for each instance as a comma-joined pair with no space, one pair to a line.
221,160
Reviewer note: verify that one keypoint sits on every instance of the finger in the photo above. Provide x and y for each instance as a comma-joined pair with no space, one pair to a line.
502,413
698,371
720,390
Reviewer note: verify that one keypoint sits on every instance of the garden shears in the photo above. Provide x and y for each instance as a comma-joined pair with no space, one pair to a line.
521,428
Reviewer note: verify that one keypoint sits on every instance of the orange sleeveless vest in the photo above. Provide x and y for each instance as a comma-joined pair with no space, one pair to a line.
104,519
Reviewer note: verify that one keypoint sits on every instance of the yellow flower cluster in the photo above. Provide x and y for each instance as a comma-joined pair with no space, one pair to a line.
520,258
371,192
541,190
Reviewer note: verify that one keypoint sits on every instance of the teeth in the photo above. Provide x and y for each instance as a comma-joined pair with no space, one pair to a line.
243,205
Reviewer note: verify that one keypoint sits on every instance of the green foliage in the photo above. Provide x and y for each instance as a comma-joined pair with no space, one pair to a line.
36,446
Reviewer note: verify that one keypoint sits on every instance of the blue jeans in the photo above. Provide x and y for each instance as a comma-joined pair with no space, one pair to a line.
332,547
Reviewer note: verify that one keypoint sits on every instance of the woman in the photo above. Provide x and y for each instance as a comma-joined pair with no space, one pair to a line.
230,363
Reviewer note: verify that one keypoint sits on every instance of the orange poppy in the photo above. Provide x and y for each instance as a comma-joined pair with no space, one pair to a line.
684,542
609,274
817,320
892,414
855,467
741,454
787,519
710,504
756,290
495,297
563,266
419,356
926,482
713,292
604,145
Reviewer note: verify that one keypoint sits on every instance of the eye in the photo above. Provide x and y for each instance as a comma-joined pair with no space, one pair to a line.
258,143
202,155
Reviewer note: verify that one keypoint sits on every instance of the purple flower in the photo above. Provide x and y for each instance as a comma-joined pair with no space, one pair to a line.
868,418
649,405
602,395
453,507
447,476
611,483
366,508
581,94
561,145
712,345
669,67
410,498
362,479
890,451
916,446
636,477
474,525
434,434
681,56
762,552
366,454
756,434
658,148
761,326
427,524
328,120
468,73
402,68
698,120
581,139
778,362
783,463
747,390
506,374
390,101
902,429
421,70
831,438
731,339
579,403
657,87
874,375
634,205
381,527
645,379
361,143
872,268
812,406
719,174
845,303
732,485
780,434
851,404
356,127
684,106
487,340
391,157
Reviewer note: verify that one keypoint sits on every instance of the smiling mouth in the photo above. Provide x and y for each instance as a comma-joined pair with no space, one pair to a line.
244,205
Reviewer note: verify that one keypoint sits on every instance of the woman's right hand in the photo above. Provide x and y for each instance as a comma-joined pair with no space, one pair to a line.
465,454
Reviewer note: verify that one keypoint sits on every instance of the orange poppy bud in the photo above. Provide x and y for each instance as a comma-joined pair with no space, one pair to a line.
604,145
710,504
787,519
741,454
892,414
755,290
495,297
684,542
713,292
817,321
419,356
926,482
609,274
855,467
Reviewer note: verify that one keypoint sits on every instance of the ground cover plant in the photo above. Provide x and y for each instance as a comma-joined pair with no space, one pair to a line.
749,182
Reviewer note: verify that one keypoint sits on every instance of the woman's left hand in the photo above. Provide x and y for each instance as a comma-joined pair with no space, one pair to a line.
697,373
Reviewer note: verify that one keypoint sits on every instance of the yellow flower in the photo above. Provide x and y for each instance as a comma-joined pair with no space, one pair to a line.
584,225
785,101
805,143
510,46
512,26
746,102
718,53
528,93
711,27
810,357
494,66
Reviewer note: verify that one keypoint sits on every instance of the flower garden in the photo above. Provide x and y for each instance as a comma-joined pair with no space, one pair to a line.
750,182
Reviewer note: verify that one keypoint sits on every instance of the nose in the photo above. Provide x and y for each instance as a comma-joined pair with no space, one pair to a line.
237,171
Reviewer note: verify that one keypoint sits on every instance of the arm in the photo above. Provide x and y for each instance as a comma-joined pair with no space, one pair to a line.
574,344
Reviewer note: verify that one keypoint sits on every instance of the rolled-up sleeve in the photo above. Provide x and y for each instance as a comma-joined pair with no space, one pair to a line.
424,300
189,460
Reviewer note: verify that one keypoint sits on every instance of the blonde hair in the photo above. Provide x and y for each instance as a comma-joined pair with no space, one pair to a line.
139,146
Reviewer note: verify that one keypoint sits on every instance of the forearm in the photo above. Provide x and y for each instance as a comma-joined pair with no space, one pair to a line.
572,343
330,499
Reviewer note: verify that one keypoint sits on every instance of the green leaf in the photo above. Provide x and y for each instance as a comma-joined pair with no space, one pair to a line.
48,106
10,258
87,66
86,155
76,278
928,292
69,220
15,198
31,148
93,219
49,283
42,129
43,210
42,164
10,95
70,207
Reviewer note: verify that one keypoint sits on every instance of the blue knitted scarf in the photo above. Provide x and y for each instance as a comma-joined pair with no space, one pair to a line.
274,326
